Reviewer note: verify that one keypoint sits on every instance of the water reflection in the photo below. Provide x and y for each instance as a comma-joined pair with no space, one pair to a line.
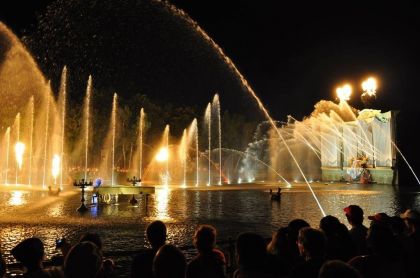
17,198
161,198
25,213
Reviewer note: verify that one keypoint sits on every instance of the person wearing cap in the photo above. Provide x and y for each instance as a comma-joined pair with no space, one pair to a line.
412,243
358,231
380,218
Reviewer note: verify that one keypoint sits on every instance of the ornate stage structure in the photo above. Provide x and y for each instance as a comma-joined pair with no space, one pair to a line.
368,141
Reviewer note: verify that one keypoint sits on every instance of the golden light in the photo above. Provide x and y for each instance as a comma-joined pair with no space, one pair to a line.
55,166
369,86
162,155
19,150
343,93
16,198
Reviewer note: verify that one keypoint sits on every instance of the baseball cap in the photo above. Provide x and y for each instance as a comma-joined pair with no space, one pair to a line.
381,217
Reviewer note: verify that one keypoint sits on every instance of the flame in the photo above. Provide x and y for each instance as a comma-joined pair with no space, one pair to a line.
162,155
55,166
19,150
343,93
369,86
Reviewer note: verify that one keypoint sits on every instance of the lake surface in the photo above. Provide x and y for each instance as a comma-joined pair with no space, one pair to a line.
27,212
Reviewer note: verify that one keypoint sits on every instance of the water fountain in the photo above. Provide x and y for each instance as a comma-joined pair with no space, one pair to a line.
207,118
87,122
216,106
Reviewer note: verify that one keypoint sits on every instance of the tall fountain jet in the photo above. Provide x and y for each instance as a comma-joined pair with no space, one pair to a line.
183,153
193,133
216,105
87,122
207,118
113,124
7,154
167,151
47,121
19,153
63,93
56,167
31,136
141,134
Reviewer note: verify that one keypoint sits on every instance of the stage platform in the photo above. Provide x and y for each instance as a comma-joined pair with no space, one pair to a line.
380,175
124,190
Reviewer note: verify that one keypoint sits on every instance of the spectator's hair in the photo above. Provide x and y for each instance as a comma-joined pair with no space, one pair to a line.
294,227
313,242
335,268
92,237
205,238
84,260
330,225
169,262
156,234
29,252
278,241
250,250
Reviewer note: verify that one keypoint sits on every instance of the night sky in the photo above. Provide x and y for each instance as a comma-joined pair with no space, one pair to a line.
297,53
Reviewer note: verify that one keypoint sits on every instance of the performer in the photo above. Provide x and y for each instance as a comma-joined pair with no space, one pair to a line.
365,177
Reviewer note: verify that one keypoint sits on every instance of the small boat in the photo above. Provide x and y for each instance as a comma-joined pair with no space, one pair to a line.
53,193
275,196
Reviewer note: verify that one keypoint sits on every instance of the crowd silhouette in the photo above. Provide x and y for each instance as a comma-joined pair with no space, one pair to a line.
389,247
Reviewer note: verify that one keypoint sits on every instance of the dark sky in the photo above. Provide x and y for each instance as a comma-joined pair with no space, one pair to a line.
298,53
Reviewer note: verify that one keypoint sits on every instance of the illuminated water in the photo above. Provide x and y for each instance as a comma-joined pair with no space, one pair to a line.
25,213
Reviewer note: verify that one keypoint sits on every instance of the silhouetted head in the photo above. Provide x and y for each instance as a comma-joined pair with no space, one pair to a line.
205,238
311,243
83,261
380,218
330,225
397,225
278,242
412,219
29,252
156,234
250,250
354,214
2,267
335,268
169,262
92,237
294,227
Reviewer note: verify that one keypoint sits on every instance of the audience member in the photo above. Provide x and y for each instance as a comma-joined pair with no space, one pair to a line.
293,232
30,252
311,243
169,262
380,218
209,262
412,243
2,266
142,263
84,260
251,256
358,231
338,269
385,259
278,253
108,265
339,244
